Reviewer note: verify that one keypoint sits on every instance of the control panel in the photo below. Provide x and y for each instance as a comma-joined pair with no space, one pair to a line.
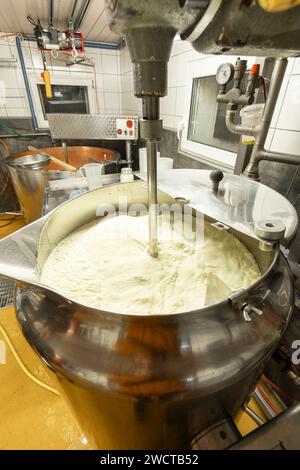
126,129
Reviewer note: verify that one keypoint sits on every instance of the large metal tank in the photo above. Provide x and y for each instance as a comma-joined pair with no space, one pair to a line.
154,382
30,183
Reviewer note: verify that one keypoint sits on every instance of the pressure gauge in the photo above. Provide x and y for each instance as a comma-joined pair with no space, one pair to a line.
224,74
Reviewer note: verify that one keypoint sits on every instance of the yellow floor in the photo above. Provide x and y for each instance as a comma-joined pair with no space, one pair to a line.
31,417
8,226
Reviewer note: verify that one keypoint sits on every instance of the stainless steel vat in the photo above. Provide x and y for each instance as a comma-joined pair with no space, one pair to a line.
30,182
146,382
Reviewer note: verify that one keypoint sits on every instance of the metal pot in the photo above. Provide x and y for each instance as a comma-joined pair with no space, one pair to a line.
147,382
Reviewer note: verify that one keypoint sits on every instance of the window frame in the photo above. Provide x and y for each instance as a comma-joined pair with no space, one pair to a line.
40,85
36,80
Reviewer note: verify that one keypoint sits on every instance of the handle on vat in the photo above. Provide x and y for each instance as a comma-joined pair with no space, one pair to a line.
55,160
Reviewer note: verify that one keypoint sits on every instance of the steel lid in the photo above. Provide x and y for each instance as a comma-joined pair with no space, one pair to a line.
239,203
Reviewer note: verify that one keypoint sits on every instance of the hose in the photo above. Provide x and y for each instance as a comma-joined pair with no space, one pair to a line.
5,146
7,222
6,177
27,372
13,132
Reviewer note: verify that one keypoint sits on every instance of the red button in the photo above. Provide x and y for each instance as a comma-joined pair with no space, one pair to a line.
129,123
119,131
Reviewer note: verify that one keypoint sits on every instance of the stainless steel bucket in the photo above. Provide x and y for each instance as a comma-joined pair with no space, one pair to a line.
30,181
145,382
30,184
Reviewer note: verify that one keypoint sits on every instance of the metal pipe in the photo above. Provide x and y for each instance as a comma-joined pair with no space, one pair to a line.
128,151
81,14
275,85
29,96
91,44
66,153
102,45
73,9
238,128
253,415
281,158
151,113
30,134
50,6
259,153
152,195
151,107
265,407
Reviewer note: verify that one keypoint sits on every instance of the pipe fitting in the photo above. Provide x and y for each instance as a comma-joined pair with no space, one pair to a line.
239,128
150,129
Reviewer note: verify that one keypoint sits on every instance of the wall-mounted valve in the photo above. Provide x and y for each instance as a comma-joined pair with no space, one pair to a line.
236,96
259,131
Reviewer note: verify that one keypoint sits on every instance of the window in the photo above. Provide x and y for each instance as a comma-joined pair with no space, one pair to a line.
66,99
207,117
204,133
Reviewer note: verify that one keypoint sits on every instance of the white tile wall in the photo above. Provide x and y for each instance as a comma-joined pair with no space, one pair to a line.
284,134
110,64
130,104
13,95
111,100
111,83
174,107
296,67
168,103
286,142
108,77
289,118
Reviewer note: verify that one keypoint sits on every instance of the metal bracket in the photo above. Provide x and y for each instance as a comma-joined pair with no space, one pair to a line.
220,226
272,230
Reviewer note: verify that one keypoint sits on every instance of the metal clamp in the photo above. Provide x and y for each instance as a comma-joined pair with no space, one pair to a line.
239,301
249,312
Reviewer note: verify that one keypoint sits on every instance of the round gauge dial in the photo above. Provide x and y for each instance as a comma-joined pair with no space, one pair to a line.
224,74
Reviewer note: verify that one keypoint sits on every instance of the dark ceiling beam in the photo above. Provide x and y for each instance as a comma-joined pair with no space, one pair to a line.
73,9
82,12
50,11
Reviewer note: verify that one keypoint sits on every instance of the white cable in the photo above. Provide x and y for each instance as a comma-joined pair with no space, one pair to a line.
27,372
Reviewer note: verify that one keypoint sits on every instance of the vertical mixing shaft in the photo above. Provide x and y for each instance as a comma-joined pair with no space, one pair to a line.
150,49
151,114
152,196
